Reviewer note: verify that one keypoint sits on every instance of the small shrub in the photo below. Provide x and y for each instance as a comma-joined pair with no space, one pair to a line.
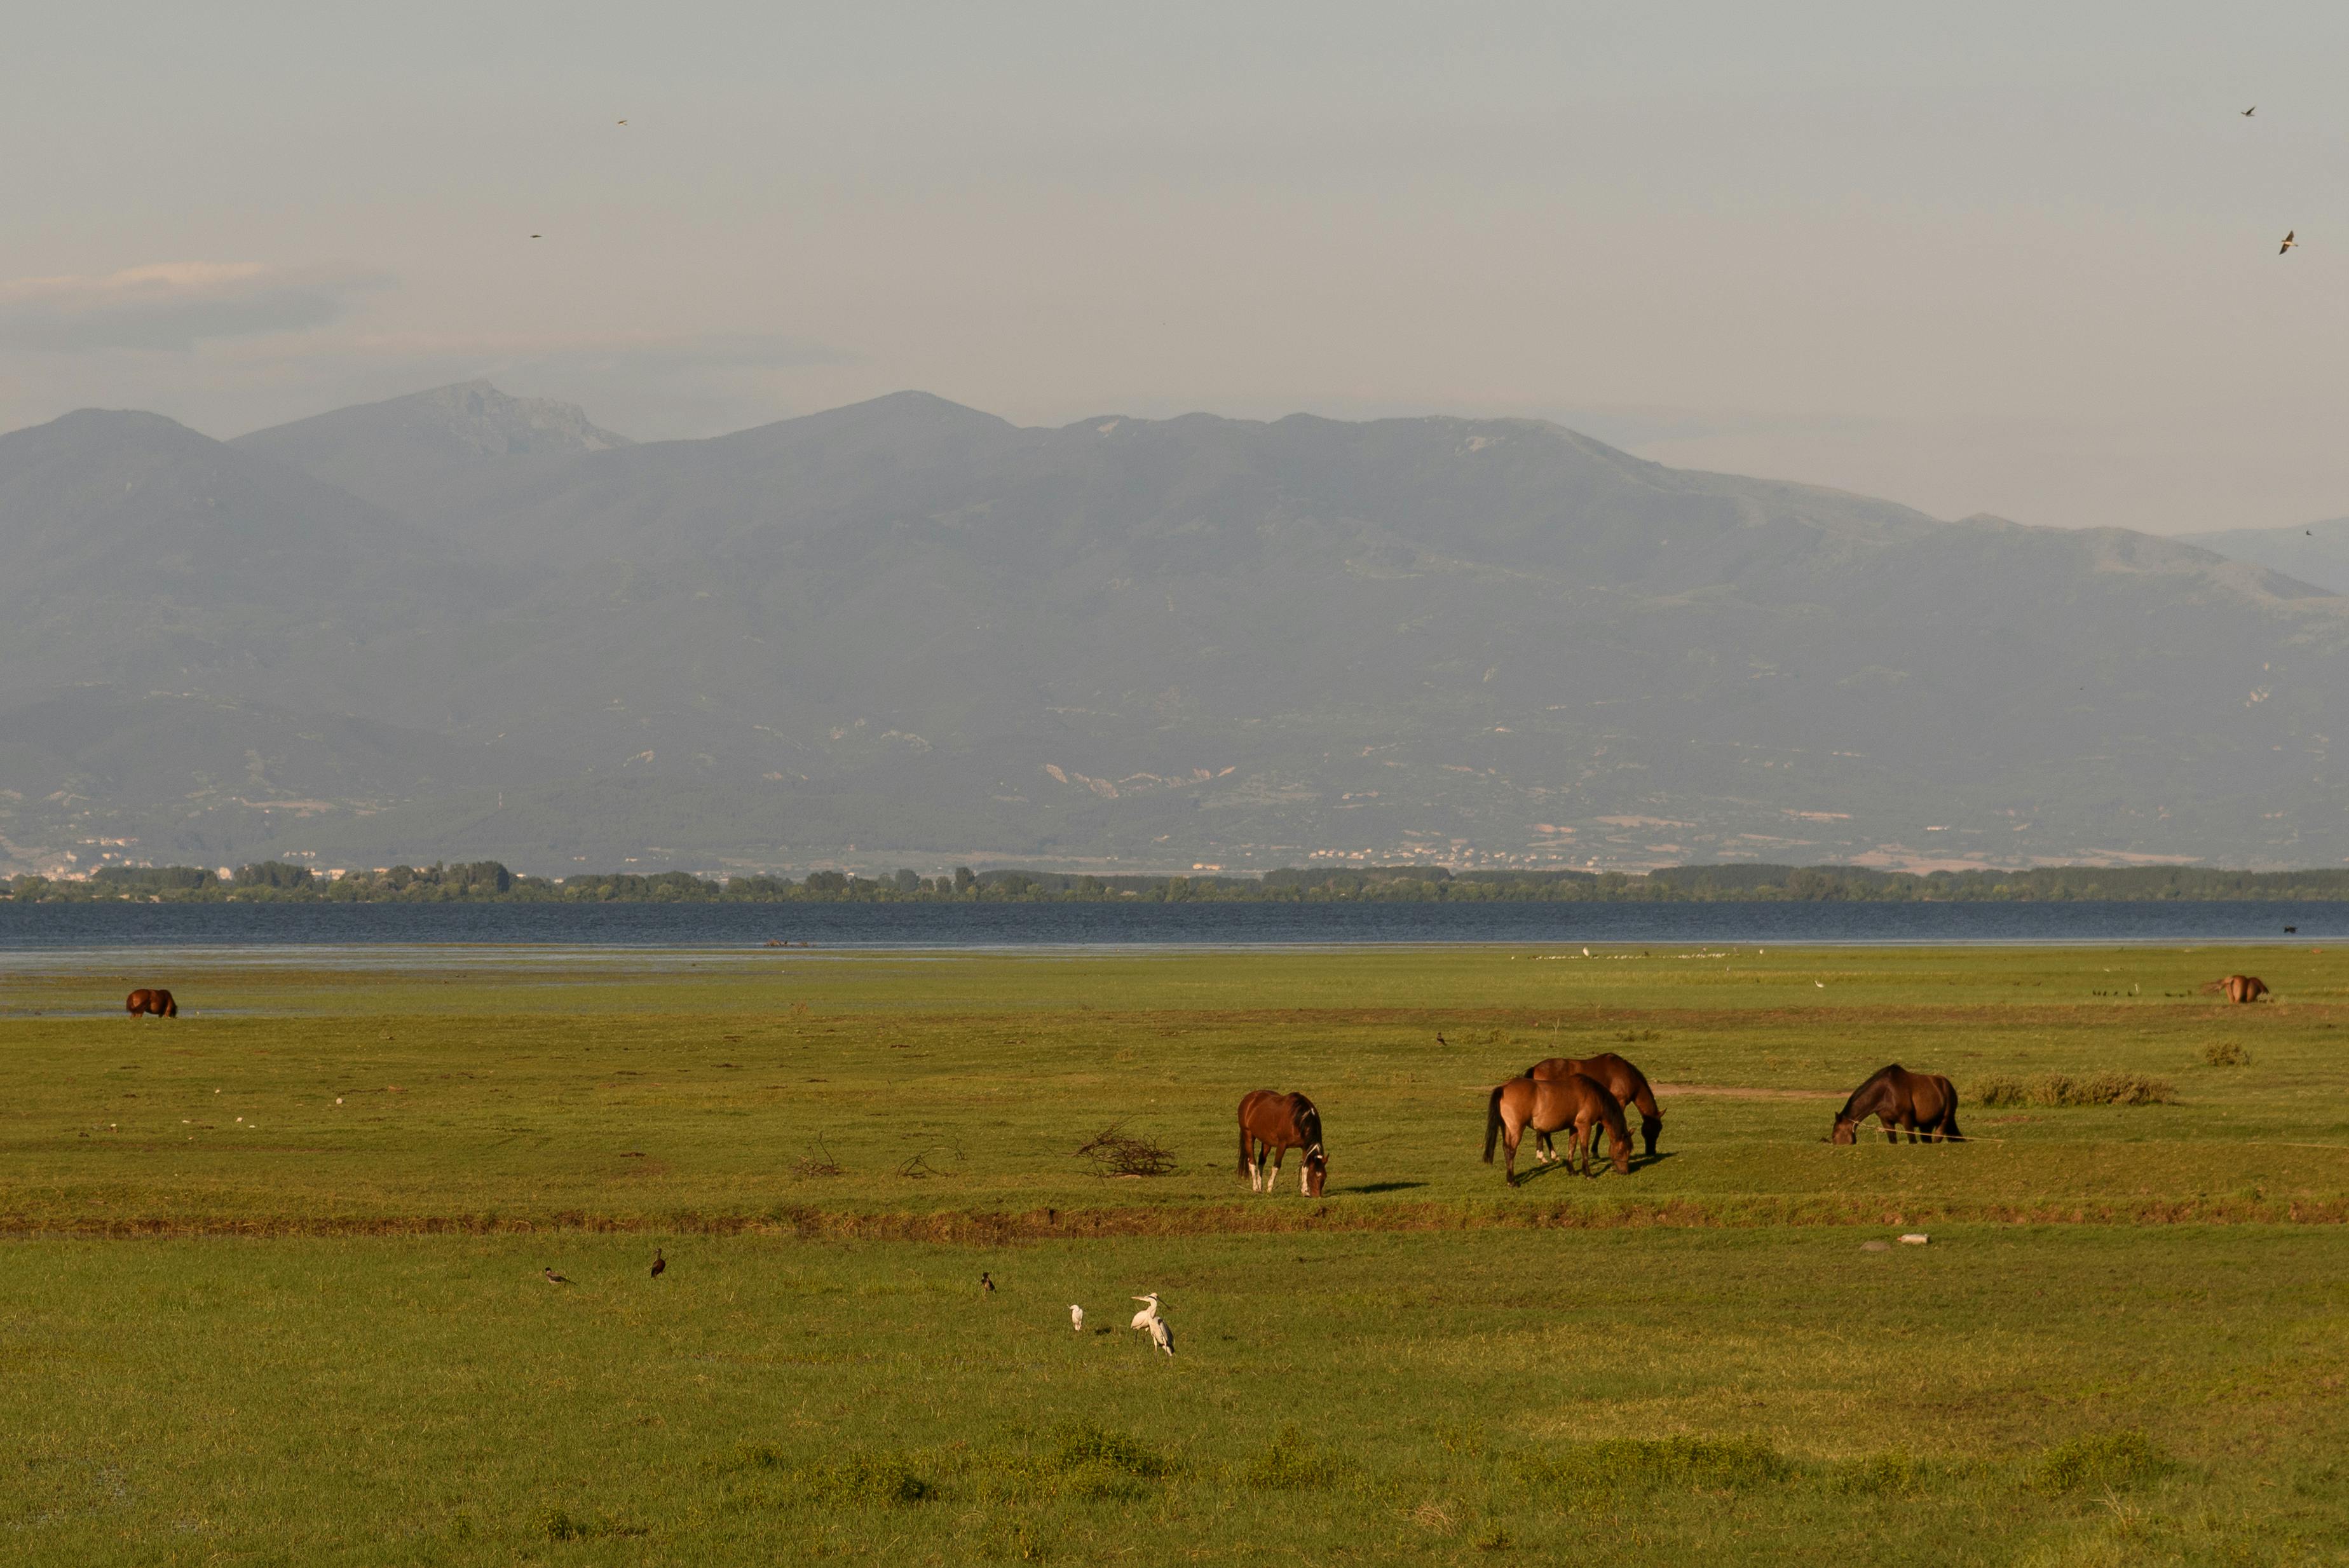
2107,1460
1626,1464
2225,1053
2061,1089
866,1480
1878,1475
1086,1461
559,1524
1292,1464
1083,1444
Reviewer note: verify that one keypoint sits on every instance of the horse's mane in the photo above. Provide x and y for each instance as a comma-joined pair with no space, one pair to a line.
1878,1076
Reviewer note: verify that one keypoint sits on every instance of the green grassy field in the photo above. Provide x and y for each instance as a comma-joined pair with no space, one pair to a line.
274,1293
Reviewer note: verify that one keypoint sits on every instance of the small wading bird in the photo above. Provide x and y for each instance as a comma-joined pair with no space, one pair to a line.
1149,1314
554,1279
1076,1317
2289,240
985,1286
1160,1335
660,1264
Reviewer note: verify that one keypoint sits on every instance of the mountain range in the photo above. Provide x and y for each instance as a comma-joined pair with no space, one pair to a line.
463,625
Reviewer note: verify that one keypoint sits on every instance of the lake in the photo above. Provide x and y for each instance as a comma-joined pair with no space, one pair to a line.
29,929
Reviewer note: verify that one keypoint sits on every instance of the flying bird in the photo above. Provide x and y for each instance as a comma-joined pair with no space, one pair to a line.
2288,241
1076,1317
554,1279
2247,113
985,1286
624,122
660,1264
1160,1335
1148,1314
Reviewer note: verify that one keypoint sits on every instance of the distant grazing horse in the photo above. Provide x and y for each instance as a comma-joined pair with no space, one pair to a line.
2241,987
1622,1080
1901,1099
158,1003
1548,1105
1271,1124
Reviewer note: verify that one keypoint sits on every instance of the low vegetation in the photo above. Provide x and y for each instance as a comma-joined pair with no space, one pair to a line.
2061,1089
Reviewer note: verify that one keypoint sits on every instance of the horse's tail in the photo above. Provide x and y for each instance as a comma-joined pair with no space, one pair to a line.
1950,1113
1246,1153
1493,1123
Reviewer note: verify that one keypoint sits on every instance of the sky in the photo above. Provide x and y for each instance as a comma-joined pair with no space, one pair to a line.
2009,258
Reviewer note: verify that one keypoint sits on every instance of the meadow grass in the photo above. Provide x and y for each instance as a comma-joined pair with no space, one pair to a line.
319,1333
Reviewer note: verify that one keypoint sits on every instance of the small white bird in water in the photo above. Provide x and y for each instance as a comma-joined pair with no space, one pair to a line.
1160,1335
1076,1317
1148,1314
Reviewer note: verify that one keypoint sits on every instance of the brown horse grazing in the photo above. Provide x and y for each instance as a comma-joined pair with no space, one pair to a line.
2241,987
1546,1105
1901,1099
158,1003
1271,1124
1622,1080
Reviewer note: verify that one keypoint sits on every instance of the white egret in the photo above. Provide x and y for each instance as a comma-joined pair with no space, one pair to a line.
1076,1317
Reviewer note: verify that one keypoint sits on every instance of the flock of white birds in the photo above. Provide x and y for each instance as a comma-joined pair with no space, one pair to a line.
1147,1319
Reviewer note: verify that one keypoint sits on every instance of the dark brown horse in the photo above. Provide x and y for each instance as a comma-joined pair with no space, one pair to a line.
1901,1099
1271,1124
1622,1080
1548,1105
158,1003
2241,987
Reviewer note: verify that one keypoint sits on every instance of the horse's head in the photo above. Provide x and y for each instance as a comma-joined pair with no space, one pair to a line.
1847,1130
1316,1170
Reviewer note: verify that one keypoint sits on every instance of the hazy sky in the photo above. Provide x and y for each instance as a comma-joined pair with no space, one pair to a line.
2013,258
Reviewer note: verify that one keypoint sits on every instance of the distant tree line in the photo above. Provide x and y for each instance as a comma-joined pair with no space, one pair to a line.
474,881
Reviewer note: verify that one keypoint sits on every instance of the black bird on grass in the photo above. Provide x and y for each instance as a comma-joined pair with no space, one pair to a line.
554,1279
985,1286
659,1263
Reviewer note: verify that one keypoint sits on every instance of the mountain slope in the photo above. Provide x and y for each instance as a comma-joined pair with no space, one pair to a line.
2316,552
405,452
917,630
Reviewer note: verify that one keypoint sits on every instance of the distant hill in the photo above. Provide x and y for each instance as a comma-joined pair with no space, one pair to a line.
400,452
908,632
2316,552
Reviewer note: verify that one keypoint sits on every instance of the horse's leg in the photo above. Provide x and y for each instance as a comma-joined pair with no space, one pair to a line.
1589,1141
1891,1129
1510,1132
1280,1153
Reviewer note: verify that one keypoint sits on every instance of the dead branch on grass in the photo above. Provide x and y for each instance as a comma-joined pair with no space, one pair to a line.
818,1161
1113,1151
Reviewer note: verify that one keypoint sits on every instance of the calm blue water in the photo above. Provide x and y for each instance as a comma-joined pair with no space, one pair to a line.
34,928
